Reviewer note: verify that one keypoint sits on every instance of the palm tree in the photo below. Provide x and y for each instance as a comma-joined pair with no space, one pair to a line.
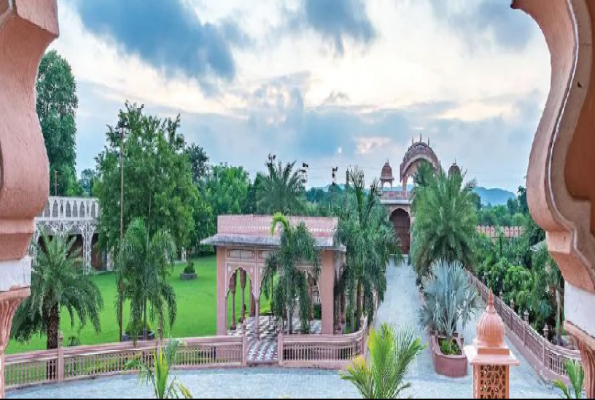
370,241
391,354
547,275
283,190
57,282
445,223
156,373
424,175
576,375
282,281
144,263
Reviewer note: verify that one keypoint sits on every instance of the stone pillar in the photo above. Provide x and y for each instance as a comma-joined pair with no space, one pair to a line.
326,288
232,287
490,357
9,301
222,285
88,233
311,294
252,306
27,27
243,286
257,317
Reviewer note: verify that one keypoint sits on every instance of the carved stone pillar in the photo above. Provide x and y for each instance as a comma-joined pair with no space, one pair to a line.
243,286
311,294
252,306
9,301
88,232
560,184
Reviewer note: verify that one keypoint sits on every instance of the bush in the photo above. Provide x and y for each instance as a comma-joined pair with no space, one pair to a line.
189,269
449,299
131,328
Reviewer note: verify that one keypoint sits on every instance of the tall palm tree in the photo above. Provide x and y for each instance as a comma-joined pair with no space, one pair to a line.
283,190
424,175
391,354
445,222
282,281
57,282
145,266
370,242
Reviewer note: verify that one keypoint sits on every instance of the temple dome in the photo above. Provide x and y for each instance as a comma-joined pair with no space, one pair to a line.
387,172
454,169
490,328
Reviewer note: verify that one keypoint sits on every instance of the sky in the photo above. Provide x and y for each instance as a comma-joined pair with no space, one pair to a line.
332,83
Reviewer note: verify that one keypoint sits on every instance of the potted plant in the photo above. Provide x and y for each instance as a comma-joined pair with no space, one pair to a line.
449,300
189,272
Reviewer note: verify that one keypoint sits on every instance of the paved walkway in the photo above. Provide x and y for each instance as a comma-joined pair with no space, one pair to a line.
400,309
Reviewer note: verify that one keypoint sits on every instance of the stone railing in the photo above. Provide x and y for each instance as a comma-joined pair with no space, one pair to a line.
73,363
507,231
70,208
546,358
320,351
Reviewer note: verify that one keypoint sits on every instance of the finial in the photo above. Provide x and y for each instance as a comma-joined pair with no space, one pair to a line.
490,300
428,141
420,138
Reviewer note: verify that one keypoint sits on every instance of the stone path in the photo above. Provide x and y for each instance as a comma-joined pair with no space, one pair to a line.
400,309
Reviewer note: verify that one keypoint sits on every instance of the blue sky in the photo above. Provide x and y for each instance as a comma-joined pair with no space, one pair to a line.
328,82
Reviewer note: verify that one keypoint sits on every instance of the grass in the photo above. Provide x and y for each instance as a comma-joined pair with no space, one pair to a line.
197,309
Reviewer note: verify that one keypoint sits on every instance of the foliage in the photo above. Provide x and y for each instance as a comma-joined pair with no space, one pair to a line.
449,299
391,354
143,263
576,375
137,326
282,281
57,282
189,269
157,178
226,189
156,373
424,175
254,190
57,103
370,241
282,190
199,162
445,223
450,347
87,182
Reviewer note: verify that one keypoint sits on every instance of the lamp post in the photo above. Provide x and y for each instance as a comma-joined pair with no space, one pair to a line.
121,126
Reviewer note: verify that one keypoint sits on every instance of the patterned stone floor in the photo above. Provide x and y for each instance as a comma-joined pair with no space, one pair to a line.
263,349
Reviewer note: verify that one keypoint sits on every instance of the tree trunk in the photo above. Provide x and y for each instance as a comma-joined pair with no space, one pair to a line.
53,327
145,337
289,321
358,307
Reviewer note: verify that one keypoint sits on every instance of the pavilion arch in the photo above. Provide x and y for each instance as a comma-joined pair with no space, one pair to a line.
401,222
417,153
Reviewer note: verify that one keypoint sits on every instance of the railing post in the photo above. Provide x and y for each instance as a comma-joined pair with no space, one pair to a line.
525,326
546,330
280,347
60,361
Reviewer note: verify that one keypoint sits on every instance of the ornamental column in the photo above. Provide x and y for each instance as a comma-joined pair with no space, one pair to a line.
27,27
243,286
490,357
232,287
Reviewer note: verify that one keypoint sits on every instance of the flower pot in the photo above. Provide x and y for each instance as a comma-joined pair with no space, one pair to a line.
453,366
188,277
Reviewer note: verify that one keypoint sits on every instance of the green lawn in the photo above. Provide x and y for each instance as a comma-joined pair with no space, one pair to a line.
197,309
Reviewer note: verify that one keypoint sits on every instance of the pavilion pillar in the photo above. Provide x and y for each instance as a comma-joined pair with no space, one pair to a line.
243,287
222,285
311,294
252,306
27,27
326,288
232,287
257,317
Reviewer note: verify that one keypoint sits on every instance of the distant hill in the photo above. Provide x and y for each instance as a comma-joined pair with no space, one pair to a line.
493,196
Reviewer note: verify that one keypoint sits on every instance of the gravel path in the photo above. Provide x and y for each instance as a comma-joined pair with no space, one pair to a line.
399,309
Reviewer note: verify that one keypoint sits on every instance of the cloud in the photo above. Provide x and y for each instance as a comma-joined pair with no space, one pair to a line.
167,34
481,22
336,21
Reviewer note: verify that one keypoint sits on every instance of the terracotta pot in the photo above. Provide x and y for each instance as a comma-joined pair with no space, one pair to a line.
451,366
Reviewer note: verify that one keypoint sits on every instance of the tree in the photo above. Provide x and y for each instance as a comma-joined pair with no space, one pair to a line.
283,190
156,373
57,282
513,206
157,178
226,189
87,182
57,103
576,375
297,247
199,162
522,200
391,354
254,189
370,242
144,263
424,175
445,223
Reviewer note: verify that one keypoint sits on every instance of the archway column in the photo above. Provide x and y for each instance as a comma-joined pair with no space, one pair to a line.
222,284
326,289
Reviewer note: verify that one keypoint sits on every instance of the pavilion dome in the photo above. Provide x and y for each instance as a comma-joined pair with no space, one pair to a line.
490,328
454,169
387,172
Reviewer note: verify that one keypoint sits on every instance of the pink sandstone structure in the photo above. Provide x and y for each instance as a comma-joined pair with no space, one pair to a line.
490,356
243,243
27,27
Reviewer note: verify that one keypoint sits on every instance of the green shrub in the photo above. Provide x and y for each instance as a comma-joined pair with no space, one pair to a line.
131,328
189,269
